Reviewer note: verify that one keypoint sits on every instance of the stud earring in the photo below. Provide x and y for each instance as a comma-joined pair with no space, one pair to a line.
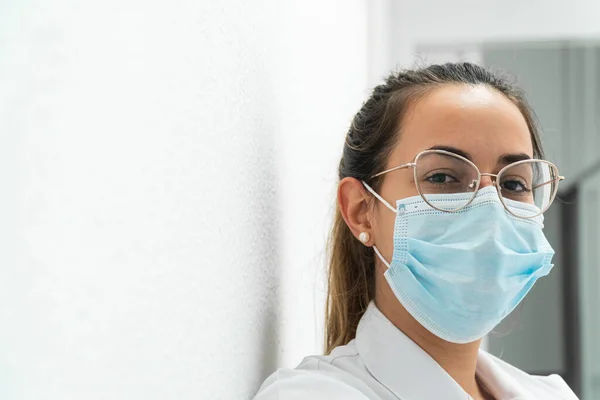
364,237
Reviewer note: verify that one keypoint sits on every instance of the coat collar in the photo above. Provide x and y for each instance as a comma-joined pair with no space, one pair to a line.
407,371
494,373
400,364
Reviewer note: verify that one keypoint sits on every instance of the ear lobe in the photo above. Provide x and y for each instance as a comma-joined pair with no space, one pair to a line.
353,201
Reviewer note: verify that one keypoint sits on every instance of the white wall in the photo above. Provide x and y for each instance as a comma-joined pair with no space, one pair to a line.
167,173
322,84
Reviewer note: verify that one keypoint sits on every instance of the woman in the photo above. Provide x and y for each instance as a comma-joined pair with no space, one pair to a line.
437,238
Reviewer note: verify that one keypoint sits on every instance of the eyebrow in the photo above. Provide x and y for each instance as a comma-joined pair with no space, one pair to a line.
504,159
454,150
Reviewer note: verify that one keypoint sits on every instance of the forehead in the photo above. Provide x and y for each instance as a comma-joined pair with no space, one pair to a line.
475,119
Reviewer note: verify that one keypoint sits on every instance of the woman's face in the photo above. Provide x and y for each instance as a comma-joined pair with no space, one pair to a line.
478,122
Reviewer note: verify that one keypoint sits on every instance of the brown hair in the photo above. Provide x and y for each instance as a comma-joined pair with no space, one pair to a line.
372,136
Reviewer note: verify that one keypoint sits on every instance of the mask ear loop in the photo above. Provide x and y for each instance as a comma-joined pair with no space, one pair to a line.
374,193
378,197
387,264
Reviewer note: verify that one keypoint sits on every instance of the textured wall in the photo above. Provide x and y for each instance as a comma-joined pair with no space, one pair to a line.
167,173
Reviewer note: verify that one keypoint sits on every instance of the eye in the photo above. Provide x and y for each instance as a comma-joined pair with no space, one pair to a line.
515,185
441,178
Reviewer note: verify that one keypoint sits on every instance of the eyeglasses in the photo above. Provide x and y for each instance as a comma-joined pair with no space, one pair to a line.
527,182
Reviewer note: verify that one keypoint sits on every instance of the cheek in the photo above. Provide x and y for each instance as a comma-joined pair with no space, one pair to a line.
399,188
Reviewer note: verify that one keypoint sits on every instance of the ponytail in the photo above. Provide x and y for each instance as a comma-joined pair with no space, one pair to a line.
350,289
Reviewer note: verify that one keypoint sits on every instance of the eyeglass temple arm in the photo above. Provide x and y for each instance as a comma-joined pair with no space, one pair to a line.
407,165
559,178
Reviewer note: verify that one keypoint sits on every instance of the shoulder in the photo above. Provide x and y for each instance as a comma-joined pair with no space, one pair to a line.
551,386
332,377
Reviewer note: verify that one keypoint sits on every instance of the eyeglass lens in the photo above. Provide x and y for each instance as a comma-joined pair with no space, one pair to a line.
522,185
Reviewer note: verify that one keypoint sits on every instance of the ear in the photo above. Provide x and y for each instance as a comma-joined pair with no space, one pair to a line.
354,202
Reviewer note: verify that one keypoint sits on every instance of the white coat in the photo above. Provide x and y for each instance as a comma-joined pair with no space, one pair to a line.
382,363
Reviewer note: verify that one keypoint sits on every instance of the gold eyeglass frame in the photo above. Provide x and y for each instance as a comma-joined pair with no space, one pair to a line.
413,165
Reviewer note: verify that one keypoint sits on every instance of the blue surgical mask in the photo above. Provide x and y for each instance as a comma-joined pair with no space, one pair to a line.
460,273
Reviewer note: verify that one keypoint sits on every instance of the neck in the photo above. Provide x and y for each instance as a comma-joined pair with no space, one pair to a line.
458,360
